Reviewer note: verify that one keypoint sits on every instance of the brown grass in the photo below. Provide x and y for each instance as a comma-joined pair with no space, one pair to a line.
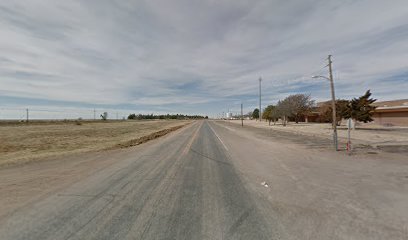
20,143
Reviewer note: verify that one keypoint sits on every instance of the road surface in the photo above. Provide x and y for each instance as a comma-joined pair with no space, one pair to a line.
209,180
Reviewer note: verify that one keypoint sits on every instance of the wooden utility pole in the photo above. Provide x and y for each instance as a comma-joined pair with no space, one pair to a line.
260,105
333,104
27,117
242,116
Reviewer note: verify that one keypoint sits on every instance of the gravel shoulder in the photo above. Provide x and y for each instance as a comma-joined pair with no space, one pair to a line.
316,193
368,137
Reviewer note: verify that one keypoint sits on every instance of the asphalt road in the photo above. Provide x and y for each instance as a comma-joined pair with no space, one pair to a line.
204,182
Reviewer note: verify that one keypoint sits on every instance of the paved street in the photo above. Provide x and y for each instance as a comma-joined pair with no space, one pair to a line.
204,181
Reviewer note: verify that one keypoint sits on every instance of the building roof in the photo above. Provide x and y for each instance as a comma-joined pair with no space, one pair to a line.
400,105
393,103
320,104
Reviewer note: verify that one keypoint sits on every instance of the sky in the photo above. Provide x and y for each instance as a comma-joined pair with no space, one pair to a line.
63,59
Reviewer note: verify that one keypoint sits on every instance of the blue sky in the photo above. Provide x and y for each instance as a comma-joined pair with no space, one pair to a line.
196,57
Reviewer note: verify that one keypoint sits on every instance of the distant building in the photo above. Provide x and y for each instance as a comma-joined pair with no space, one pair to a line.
387,113
228,115
391,113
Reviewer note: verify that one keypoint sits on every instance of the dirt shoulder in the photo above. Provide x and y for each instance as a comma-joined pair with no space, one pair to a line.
390,139
21,143
313,190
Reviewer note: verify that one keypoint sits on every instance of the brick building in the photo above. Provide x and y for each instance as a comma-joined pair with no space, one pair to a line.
391,113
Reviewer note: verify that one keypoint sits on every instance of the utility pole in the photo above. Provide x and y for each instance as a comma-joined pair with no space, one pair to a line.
242,116
260,109
94,114
333,104
27,115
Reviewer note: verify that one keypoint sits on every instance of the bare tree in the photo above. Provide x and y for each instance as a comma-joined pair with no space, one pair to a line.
295,106
343,110
274,115
300,105
283,110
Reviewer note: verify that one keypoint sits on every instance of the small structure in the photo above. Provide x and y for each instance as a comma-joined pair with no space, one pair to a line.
104,116
391,113
312,116
229,115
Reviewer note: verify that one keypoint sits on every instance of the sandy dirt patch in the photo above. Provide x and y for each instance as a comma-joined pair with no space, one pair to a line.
366,134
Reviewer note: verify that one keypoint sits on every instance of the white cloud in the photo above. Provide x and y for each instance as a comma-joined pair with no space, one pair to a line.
175,53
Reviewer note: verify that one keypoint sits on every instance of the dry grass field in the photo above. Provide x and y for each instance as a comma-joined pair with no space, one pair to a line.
20,142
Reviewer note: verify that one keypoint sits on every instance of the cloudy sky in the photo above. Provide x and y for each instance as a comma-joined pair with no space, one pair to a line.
192,56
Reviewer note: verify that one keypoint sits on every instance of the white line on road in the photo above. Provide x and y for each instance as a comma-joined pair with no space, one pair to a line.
218,137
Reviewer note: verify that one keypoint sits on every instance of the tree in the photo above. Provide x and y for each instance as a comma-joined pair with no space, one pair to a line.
132,116
342,111
162,116
283,110
361,109
295,106
274,115
358,109
325,112
299,105
248,115
255,113
267,113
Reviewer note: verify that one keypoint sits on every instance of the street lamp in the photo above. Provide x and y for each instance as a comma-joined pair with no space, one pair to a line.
333,106
321,77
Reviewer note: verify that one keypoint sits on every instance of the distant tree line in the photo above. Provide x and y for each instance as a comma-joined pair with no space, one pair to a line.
296,107
134,116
